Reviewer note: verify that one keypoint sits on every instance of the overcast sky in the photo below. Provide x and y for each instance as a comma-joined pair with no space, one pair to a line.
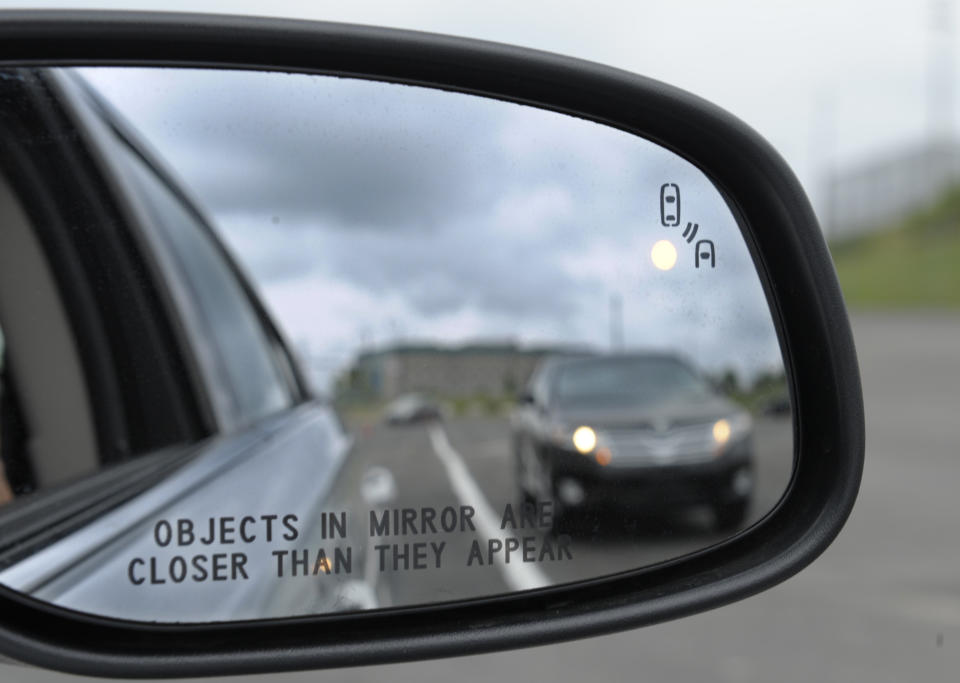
828,82
373,214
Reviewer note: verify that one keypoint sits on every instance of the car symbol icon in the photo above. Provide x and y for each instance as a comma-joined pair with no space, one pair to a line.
669,204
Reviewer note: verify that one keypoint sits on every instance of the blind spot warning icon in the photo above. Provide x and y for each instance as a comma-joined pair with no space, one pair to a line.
670,205
705,253
691,232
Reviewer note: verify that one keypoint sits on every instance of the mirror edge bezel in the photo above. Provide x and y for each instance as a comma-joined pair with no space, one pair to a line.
792,258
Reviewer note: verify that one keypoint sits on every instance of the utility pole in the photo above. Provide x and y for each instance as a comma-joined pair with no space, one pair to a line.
616,322
823,151
940,72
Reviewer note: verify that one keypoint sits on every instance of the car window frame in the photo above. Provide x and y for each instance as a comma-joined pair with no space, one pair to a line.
116,323
111,132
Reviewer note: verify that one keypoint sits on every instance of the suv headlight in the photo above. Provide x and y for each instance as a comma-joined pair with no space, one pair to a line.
581,438
732,429
584,439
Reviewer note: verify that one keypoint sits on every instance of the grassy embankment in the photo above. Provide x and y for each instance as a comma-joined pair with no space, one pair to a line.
912,265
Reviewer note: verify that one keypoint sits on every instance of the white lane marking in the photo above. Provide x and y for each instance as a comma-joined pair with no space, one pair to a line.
519,576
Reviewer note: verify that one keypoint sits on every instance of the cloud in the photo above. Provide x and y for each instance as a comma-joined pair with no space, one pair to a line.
365,210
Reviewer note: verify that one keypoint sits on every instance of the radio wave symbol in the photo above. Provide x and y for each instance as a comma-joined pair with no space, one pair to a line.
691,232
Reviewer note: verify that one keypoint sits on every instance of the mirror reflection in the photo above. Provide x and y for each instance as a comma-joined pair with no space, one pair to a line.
276,344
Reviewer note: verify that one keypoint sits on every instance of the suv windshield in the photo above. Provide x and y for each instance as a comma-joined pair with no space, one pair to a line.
630,379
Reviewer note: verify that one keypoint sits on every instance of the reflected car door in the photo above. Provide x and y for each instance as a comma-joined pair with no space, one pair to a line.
262,419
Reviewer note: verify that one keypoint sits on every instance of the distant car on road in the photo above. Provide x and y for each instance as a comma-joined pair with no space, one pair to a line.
411,409
778,406
641,430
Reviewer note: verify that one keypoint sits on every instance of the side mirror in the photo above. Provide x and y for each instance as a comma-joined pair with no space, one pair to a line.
432,220
525,398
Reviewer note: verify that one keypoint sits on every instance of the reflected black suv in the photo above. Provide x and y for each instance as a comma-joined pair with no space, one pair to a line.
644,431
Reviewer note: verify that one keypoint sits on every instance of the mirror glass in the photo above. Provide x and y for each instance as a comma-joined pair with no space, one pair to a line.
278,344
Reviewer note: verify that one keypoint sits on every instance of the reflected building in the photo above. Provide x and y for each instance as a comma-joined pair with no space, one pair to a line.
492,369
874,195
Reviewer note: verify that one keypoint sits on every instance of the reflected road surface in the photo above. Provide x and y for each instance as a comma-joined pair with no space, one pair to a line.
469,461
882,603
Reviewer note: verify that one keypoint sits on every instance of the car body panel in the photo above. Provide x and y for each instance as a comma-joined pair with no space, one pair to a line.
240,475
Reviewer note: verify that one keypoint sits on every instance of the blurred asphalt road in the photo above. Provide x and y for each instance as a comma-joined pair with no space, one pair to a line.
613,541
882,604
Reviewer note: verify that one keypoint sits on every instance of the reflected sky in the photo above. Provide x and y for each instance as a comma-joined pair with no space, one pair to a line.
370,214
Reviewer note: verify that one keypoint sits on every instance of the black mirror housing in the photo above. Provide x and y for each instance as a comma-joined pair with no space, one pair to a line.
782,234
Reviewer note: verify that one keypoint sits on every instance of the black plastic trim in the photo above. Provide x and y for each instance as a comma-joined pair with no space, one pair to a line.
777,221
120,334
28,524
